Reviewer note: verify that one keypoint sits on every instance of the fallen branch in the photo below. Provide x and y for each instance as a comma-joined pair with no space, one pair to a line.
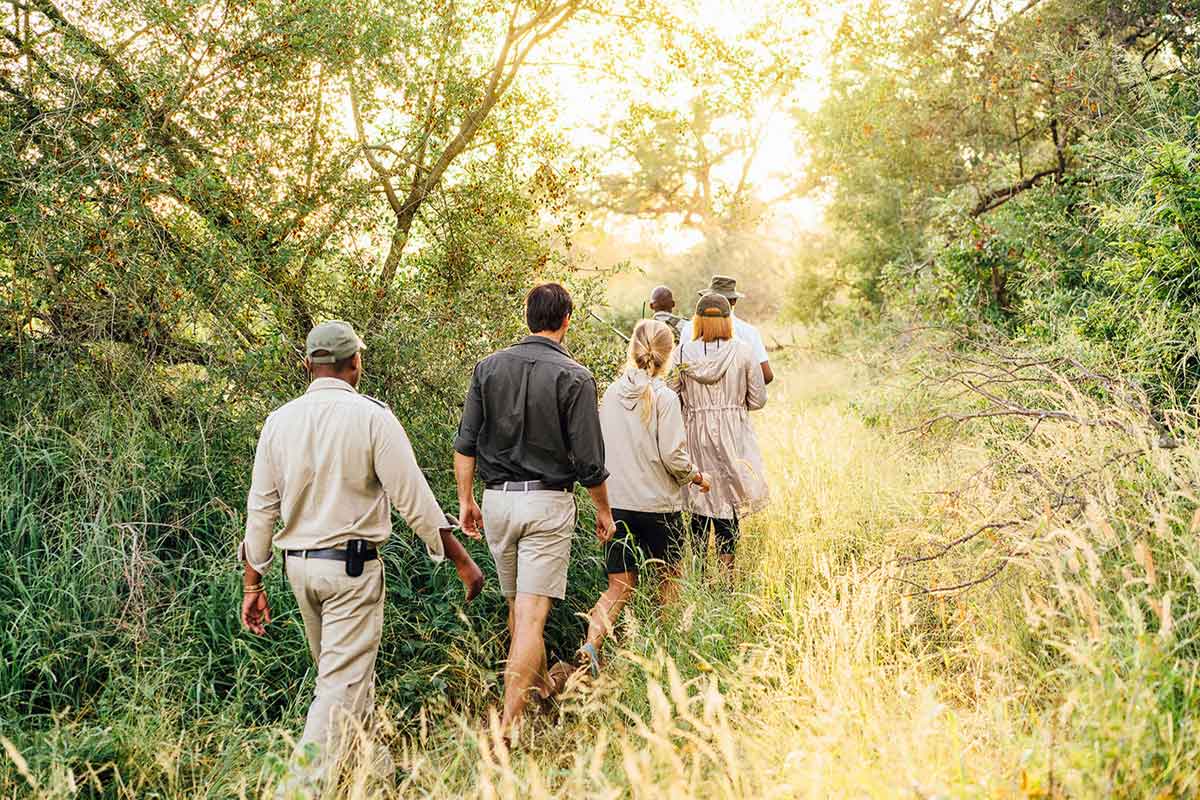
1041,390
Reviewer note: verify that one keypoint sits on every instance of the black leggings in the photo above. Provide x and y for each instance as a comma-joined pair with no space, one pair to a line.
725,530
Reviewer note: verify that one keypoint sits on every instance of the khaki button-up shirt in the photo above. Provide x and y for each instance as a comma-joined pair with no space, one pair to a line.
328,463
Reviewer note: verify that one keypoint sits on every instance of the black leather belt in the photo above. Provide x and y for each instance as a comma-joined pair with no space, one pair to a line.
332,553
526,486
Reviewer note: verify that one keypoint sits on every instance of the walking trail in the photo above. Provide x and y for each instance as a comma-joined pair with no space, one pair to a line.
810,678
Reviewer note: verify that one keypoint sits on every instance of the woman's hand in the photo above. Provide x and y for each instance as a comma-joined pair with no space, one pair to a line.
701,480
605,527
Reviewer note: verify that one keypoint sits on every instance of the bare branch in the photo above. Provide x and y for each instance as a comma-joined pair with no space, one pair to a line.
998,197
385,179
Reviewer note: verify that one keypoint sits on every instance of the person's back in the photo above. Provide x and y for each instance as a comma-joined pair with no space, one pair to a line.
531,431
329,464
526,395
643,474
649,464
719,384
718,376
322,447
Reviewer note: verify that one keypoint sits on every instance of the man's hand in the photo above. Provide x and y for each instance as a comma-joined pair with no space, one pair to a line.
605,527
256,612
468,510
470,517
468,571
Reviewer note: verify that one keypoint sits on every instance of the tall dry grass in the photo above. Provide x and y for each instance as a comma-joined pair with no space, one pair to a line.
834,665
1071,673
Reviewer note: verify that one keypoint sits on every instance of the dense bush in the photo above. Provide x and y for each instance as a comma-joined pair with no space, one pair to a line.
1108,256
181,199
1032,169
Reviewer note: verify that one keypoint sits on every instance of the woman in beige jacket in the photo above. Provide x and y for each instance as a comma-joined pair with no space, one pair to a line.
647,460
720,382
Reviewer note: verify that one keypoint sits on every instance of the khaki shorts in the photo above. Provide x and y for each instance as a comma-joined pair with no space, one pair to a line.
529,534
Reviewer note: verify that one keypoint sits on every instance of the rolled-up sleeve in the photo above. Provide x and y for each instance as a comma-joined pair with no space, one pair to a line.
585,440
467,440
262,508
404,483
672,440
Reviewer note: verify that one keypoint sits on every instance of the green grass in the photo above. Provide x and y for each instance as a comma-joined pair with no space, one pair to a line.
1074,673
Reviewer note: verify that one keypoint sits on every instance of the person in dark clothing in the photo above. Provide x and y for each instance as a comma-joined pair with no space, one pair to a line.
530,429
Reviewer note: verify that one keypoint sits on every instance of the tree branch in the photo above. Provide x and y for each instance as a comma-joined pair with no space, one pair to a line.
998,197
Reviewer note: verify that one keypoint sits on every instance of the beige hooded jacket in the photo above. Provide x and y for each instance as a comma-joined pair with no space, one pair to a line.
647,462
720,383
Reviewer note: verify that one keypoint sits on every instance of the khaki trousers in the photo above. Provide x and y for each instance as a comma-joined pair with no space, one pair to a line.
343,621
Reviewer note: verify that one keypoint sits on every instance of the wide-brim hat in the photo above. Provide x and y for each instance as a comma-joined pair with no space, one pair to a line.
724,286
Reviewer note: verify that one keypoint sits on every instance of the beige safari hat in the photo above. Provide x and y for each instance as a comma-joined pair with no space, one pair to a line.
335,340
724,286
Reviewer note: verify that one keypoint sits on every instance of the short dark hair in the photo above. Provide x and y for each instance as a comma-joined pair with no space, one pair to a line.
547,307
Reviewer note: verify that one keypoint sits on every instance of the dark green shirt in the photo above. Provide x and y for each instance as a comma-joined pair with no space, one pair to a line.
531,414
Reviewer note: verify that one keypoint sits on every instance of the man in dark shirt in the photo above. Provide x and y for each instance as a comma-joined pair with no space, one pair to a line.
530,427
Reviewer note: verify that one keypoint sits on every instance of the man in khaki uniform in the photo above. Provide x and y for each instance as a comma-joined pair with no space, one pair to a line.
332,463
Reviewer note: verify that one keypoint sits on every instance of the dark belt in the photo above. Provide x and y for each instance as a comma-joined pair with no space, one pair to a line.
526,486
332,553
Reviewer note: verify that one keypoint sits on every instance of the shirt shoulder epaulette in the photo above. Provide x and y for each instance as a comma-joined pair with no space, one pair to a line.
376,401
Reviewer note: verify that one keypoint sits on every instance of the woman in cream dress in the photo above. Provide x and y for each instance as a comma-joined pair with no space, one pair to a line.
719,383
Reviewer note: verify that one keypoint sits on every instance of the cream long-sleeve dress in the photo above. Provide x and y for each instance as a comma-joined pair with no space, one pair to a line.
719,384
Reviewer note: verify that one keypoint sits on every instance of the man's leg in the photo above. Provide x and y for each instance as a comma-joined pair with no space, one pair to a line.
526,665
308,602
351,627
304,776
546,521
544,687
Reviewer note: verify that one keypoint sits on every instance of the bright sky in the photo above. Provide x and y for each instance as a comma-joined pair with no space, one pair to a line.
585,108
588,102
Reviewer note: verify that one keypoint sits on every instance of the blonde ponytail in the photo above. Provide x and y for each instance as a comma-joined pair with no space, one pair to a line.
651,349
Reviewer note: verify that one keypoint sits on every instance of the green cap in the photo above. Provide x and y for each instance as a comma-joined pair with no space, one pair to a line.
335,340
724,286
713,305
